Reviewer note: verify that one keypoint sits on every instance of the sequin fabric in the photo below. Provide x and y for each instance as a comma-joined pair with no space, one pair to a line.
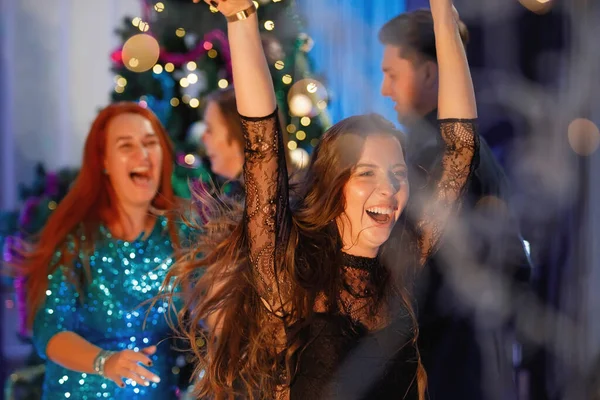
123,276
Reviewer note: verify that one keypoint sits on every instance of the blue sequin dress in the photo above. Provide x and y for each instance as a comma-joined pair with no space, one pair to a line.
124,275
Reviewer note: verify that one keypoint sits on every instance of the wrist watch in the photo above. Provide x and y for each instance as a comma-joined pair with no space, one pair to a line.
242,15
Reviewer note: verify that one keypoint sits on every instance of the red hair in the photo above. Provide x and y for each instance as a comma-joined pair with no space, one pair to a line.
90,202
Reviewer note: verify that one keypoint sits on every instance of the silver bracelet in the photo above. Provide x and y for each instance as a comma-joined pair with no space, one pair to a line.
100,361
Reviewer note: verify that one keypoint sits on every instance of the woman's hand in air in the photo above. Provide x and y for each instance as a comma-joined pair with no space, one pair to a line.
126,365
229,7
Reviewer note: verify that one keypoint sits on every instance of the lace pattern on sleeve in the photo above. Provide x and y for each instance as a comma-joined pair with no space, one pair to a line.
267,214
458,162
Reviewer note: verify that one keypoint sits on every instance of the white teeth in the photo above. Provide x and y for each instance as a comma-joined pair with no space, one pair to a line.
381,210
140,170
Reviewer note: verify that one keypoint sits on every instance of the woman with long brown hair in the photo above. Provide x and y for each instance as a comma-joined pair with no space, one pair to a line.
104,251
295,290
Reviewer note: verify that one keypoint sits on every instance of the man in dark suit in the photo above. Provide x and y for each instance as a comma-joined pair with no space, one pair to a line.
465,355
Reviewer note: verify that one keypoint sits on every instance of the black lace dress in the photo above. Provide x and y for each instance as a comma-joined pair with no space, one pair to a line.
365,348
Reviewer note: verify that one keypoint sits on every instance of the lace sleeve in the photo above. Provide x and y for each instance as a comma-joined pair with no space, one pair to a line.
267,214
459,160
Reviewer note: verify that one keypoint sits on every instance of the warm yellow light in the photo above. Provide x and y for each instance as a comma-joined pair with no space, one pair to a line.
292,145
169,67
180,32
183,82
136,21
305,121
300,135
122,82
194,103
174,101
269,25
223,83
291,128
191,66
159,7
192,78
287,79
212,53
157,69
279,65
189,159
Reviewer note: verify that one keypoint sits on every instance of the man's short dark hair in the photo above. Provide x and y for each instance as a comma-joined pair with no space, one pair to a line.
413,33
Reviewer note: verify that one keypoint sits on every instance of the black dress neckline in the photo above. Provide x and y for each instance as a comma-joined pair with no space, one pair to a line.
359,262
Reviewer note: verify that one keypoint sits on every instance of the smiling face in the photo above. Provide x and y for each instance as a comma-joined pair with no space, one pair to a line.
133,159
376,194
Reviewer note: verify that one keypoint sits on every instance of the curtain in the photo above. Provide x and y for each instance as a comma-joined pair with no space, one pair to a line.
347,52
55,75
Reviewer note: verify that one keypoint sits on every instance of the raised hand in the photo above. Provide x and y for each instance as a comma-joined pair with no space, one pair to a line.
126,365
229,7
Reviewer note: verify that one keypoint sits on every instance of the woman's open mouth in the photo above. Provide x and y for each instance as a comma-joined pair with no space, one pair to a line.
381,215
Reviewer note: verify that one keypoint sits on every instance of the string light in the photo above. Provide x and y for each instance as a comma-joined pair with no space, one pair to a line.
144,26
192,78
121,82
291,128
223,83
180,32
174,101
186,98
537,6
269,25
169,67
159,7
191,66
299,158
157,69
194,103
183,82
279,65
287,79
292,145
300,135
584,136
189,159
136,21
305,121
212,53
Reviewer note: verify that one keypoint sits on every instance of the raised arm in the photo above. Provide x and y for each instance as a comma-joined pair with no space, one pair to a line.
457,112
265,174
254,92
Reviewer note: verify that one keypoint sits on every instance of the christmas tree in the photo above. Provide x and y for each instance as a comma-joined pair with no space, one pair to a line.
176,53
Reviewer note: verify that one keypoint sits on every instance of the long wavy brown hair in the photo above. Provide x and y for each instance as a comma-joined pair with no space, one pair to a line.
91,201
238,357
